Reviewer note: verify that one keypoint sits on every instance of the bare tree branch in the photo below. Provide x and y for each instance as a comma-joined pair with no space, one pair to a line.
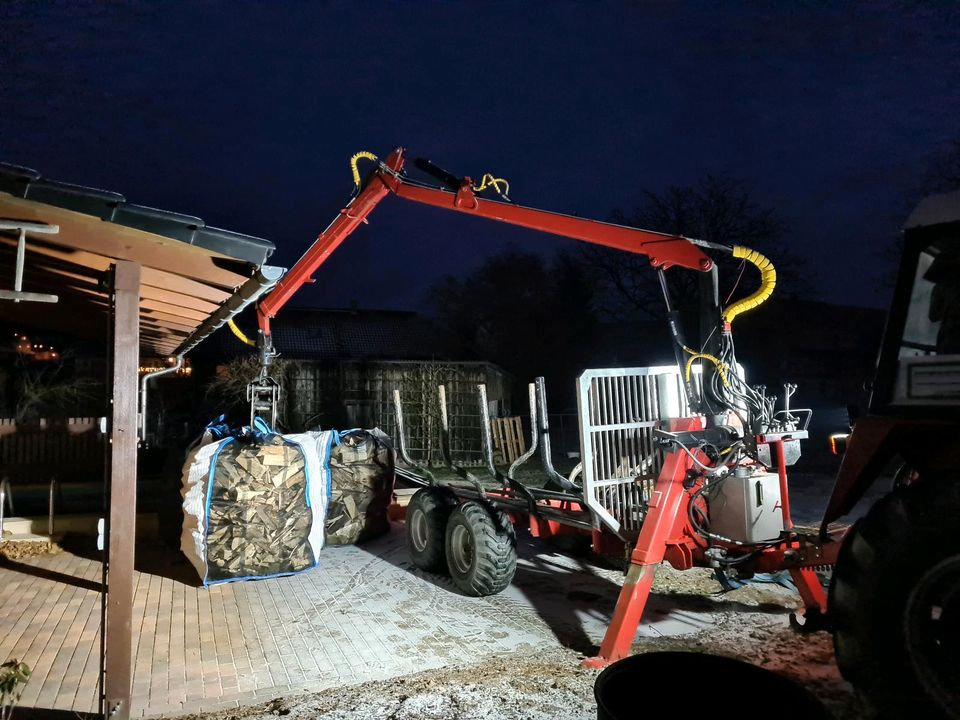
717,209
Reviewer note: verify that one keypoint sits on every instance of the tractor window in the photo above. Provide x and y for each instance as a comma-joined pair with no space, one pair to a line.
923,322
929,367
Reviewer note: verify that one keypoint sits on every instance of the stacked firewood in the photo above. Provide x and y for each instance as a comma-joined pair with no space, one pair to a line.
362,470
259,519
21,549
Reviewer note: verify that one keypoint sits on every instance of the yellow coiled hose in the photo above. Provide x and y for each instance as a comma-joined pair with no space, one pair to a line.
239,333
362,155
498,184
768,281
722,367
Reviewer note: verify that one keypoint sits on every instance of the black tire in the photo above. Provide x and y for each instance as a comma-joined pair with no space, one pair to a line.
881,581
426,522
481,549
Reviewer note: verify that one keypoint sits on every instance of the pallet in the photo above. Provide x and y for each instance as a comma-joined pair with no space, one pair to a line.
508,439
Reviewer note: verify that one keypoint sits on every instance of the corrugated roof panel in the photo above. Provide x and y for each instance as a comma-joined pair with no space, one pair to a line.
99,203
159,222
23,182
243,247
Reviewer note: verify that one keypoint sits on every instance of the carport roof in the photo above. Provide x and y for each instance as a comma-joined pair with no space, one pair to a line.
189,270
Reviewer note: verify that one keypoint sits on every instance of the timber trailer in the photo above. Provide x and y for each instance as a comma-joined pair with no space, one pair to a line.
688,464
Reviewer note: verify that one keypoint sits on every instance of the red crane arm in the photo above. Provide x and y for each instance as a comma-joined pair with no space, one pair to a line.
327,241
664,251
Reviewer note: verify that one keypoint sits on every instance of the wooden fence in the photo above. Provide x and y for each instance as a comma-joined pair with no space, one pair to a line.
70,449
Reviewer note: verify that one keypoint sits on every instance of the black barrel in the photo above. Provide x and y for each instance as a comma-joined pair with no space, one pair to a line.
691,682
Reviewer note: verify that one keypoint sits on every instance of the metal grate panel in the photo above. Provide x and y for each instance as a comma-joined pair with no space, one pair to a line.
618,409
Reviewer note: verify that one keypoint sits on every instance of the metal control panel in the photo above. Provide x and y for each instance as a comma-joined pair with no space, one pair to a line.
746,506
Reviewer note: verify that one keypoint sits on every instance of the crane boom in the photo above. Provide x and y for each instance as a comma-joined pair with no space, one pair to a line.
663,250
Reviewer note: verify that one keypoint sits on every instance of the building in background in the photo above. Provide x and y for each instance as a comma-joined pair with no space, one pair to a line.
341,368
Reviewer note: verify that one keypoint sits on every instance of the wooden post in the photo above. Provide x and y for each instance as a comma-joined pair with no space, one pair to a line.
124,363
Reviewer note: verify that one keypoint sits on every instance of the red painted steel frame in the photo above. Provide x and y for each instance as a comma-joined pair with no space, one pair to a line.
662,526
664,251
810,589
781,456
328,241
667,535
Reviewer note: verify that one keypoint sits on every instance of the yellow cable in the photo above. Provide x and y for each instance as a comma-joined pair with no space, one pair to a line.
768,281
489,180
239,333
362,155
722,367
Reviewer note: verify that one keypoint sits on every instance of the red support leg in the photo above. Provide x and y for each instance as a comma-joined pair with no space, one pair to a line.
777,446
626,617
666,505
811,592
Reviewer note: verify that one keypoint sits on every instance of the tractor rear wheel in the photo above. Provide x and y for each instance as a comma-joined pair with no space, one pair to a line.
481,549
427,516
895,604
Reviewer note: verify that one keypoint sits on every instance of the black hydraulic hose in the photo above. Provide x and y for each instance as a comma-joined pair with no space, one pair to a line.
676,333
449,180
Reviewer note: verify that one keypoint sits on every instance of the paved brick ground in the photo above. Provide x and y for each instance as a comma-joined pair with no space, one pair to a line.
363,615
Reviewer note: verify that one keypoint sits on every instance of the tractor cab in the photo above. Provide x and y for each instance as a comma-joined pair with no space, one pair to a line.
915,394
919,368
894,603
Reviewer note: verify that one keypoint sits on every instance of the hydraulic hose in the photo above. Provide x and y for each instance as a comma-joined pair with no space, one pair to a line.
768,281
722,367
362,155
239,333
489,180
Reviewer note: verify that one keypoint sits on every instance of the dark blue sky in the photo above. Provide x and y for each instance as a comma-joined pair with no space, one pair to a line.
245,114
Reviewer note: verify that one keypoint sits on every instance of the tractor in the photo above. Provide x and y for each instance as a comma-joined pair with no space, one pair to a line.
894,599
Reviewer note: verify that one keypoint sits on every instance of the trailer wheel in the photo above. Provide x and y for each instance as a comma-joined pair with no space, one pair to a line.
427,516
895,604
481,549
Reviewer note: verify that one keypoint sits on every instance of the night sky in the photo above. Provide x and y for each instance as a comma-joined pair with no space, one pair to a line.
245,114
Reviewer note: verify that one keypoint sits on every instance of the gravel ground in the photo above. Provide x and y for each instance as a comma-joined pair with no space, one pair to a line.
551,683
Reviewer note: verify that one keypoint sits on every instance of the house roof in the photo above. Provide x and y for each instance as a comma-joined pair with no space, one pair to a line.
189,270
335,334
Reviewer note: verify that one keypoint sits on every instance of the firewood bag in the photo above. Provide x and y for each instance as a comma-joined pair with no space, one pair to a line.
362,471
255,504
